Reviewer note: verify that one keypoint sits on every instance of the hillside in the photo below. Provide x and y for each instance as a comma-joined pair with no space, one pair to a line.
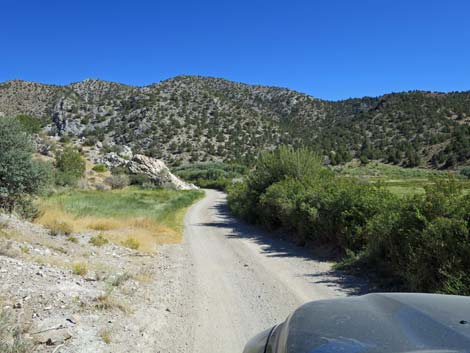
192,118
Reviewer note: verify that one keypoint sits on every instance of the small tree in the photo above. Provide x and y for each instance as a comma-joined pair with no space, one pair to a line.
20,175
30,124
70,167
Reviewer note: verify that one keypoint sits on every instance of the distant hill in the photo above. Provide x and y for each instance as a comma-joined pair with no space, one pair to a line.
192,118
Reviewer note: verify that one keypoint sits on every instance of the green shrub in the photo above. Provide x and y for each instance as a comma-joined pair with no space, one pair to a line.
20,175
131,243
100,168
211,175
99,240
418,243
70,167
26,209
119,170
273,167
65,139
90,141
140,179
80,268
465,172
29,123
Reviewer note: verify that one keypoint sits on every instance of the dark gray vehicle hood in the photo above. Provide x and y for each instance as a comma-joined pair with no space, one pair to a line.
377,323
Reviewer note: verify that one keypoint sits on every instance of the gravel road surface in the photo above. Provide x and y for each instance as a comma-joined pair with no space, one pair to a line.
233,280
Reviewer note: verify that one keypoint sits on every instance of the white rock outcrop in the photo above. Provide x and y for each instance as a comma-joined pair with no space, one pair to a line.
158,173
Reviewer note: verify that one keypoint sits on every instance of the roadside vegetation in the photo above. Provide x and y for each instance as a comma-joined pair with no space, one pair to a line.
211,175
12,338
134,217
21,177
49,192
410,241
398,180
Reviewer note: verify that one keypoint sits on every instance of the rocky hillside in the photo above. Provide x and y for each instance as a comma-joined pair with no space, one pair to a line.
191,118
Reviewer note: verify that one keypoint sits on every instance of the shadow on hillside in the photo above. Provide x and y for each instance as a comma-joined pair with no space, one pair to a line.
274,246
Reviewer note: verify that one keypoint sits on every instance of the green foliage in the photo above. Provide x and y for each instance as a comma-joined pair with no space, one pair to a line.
100,168
424,240
29,123
131,243
79,268
465,172
90,141
65,139
26,208
207,119
160,205
211,175
20,175
418,243
70,167
140,180
98,240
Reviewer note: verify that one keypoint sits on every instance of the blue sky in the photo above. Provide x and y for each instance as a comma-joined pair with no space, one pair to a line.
330,49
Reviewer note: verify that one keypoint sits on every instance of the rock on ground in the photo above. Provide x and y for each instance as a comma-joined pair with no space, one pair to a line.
158,172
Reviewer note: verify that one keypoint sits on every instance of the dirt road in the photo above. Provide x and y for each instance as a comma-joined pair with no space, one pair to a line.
238,281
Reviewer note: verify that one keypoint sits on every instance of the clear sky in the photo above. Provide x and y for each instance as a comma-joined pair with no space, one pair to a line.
330,49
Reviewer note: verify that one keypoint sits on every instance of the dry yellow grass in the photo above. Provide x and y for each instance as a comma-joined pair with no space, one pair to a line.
105,336
144,276
79,268
146,231
108,302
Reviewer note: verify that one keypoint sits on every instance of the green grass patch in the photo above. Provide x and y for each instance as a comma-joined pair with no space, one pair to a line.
148,216
160,205
400,181
376,169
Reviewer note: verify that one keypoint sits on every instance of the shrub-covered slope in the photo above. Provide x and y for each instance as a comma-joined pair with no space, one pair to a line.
197,119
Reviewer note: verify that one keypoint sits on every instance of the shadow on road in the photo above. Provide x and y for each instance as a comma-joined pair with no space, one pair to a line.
275,247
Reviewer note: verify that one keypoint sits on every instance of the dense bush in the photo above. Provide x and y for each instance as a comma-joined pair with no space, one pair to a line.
90,141
70,167
465,172
423,241
29,123
215,175
419,243
140,180
100,168
20,175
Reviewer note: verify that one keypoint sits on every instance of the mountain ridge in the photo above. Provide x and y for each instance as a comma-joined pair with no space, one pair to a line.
196,118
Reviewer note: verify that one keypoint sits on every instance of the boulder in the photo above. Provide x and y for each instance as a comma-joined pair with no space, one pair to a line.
158,172
112,160
126,152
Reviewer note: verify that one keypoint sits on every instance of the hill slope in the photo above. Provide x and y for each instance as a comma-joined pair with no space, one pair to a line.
192,118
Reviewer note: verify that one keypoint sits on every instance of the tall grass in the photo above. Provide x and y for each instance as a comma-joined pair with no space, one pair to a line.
400,181
150,216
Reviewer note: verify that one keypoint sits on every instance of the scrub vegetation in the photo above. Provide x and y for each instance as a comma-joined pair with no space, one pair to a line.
412,241
148,217
215,175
